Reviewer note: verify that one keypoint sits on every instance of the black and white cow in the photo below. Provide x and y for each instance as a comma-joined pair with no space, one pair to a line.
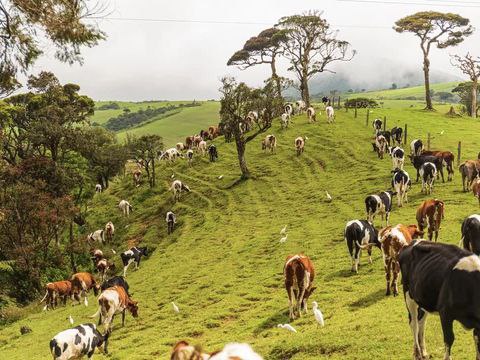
377,125
171,220
398,157
77,342
440,278
419,160
428,173
288,108
416,147
380,204
116,281
471,233
212,153
386,135
132,256
359,235
397,135
401,184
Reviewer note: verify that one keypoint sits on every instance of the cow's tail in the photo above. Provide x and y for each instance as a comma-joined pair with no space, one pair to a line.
96,314
46,294
461,242
363,247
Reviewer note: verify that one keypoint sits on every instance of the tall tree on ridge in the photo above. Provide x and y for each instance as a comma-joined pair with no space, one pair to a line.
470,66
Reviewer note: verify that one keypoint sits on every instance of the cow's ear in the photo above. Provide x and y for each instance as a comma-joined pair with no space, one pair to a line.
313,288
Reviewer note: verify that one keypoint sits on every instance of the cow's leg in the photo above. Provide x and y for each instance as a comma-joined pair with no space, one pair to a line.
396,269
476,338
418,175
412,308
387,217
290,301
448,336
388,263
422,319
301,294
441,173
125,269
123,317
357,259
399,198
369,250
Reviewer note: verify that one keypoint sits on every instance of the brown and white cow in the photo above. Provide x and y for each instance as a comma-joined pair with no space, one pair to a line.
137,175
233,351
393,240
103,266
54,291
113,301
299,274
476,189
469,170
447,157
109,231
82,282
269,143
429,216
381,145
300,145
311,114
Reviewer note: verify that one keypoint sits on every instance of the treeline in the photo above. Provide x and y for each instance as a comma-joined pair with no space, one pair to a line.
129,119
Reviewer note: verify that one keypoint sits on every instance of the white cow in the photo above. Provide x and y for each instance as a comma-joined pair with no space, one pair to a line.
125,207
180,146
301,106
311,114
285,120
177,187
97,236
202,147
98,188
330,114
189,156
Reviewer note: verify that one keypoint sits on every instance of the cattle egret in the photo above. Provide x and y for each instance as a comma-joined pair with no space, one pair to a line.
329,197
173,175
86,301
284,230
306,138
70,319
287,327
45,308
113,251
283,239
220,177
441,132
318,314
175,307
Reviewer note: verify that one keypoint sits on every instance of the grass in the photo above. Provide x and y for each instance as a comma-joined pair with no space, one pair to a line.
223,264
416,91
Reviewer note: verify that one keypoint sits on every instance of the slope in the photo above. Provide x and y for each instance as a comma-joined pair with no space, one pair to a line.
414,91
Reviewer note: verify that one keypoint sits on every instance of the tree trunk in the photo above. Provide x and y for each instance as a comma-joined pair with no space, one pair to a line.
426,73
72,256
241,157
276,78
153,173
474,98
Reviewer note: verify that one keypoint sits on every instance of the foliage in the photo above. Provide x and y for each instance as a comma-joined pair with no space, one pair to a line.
108,106
360,102
464,91
145,150
470,66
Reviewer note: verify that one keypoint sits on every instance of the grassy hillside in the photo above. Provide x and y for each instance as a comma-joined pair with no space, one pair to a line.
223,264
416,91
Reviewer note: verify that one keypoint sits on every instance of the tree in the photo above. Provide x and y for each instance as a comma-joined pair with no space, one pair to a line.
26,24
394,86
145,150
470,66
237,100
464,91
434,28
311,46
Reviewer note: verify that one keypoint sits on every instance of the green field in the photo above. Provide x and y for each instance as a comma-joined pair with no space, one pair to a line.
223,264
416,91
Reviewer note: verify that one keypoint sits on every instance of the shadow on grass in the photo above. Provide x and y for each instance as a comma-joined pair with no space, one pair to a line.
344,273
280,317
368,300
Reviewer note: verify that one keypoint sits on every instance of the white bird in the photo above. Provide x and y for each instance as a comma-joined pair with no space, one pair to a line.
329,197
86,301
175,307
70,319
173,175
318,314
287,327
113,251
284,230
441,132
283,239
220,177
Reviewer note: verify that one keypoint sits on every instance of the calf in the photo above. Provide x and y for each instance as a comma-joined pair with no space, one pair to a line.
137,175
177,187
330,114
96,236
285,120
202,147
447,157
401,184
359,235
115,281
377,125
393,240
171,220
77,342
299,274
81,284
443,279
396,135
212,153
132,256
428,172
109,231
311,114
430,215
416,147
97,255
419,160
471,233
379,204
469,171
113,301
381,145
55,290
476,189
98,188
269,143
125,207
189,156
300,145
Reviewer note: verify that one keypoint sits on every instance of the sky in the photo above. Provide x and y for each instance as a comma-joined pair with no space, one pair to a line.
145,60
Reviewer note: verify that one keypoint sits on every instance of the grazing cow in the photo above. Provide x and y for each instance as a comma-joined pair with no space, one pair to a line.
98,188
180,146
109,231
212,153
300,145
171,154
196,141
125,207
177,187
204,134
234,351
116,281
132,256
97,255
443,279
429,215
359,235
381,145
416,147
171,220
55,290
97,236
312,117
137,175
447,157
418,160
253,116
269,143
77,342
398,157
428,172
471,233
330,114
111,301
377,125
285,120
325,100
386,135
393,240
299,274
81,284
189,156
184,351
288,108
213,131
301,106
476,189
401,184
380,204
469,170
396,134
202,147
189,142
102,267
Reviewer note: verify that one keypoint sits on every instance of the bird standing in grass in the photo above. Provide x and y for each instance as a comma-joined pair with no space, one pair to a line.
283,239
329,197
284,230
70,319
318,314
287,327
175,307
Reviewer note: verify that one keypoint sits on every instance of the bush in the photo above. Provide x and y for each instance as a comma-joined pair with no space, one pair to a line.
360,103
109,106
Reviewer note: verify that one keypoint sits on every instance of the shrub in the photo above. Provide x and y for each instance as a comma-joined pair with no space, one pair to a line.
360,103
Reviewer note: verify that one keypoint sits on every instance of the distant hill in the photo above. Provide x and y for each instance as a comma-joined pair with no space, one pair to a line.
410,92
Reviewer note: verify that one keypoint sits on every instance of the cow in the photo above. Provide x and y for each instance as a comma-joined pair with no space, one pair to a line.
180,146
213,131
54,291
132,255
359,235
428,173
401,184
172,154
377,125
398,157
171,220
177,187
97,236
269,143
202,147
386,135
284,121
416,147
77,342
381,144
98,188
393,240
114,300
109,231
189,156
325,101
81,284
419,160
102,266
97,255
379,204
330,114
430,215
300,145
212,153
476,189
447,157
189,142
137,174
197,139
125,207
301,106
396,134
288,108
253,116
299,274
471,234
312,117
440,278
182,350
469,170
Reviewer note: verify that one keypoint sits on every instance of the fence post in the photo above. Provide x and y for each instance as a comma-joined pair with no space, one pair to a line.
428,141
355,110
459,154
368,116
339,102
405,136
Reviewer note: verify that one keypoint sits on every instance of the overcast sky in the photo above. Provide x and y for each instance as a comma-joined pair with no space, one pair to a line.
143,60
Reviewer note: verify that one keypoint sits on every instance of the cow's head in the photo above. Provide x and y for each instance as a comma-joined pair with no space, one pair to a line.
440,207
308,292
264,145
143,250
130,207
96,289
374,239
133,308
415,232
